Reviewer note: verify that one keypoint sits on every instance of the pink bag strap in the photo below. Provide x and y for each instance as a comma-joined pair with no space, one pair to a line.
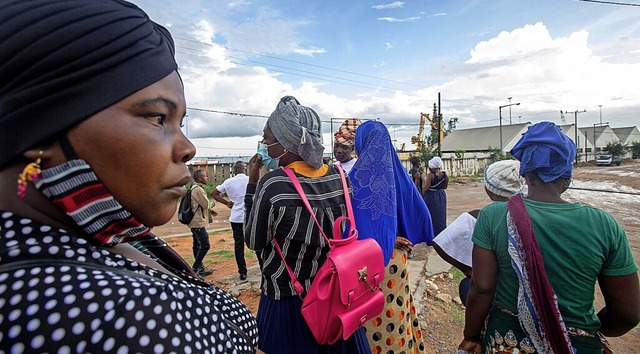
296,183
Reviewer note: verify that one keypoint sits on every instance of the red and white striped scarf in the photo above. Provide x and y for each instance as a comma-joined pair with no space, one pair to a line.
73,187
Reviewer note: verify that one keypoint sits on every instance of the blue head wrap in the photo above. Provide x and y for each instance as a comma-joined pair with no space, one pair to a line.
545,150
386,203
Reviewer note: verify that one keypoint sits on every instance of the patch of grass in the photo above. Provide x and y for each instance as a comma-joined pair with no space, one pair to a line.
457,315
457,275
249,254
223,254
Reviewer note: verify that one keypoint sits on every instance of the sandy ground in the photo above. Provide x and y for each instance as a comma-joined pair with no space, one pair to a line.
619,194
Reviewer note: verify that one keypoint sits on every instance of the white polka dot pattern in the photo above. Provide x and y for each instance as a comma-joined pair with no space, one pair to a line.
59,293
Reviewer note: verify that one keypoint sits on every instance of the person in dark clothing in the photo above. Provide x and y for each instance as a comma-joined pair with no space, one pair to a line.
416,173
434,185
200,206
91,109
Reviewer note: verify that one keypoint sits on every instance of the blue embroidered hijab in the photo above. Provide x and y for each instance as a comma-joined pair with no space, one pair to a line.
386,203
546,150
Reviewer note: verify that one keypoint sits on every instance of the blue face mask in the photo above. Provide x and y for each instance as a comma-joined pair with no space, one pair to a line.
268,161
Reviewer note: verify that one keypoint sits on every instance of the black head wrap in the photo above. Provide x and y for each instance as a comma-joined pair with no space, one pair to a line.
63,61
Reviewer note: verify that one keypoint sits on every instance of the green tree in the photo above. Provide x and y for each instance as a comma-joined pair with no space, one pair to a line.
427,152
497,155
615,148
635,149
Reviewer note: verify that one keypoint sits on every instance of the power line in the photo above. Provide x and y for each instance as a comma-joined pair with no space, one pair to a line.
475,99
229,113
302,63
379,88
309,72
370,85
610,2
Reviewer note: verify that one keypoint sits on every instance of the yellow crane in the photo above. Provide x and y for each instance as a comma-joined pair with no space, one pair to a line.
417,139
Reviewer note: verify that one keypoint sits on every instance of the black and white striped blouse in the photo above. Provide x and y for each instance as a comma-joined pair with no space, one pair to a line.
274,208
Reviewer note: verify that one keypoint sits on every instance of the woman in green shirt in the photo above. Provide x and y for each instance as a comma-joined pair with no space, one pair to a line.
536,262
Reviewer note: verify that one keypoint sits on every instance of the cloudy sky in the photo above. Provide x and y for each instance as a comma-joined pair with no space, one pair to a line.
389,60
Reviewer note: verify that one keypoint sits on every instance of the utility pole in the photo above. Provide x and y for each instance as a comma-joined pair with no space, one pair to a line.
439,120
594,139
509,98
500,114
600,106
186,126
577,140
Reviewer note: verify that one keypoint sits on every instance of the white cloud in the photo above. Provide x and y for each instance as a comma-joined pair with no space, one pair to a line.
394,19
238,4
309,51
392,5
545,74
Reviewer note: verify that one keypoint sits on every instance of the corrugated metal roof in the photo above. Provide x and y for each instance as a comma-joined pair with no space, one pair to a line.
483,138
625,132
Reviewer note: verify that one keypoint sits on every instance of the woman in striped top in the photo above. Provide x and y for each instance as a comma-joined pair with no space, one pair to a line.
275,213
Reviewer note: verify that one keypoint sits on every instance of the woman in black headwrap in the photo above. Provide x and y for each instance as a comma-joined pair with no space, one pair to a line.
91,107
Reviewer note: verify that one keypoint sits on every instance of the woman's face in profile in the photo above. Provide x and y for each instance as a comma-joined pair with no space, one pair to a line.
137,149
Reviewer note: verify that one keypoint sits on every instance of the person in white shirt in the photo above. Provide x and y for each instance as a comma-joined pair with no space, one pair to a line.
501,181
343,144
235,188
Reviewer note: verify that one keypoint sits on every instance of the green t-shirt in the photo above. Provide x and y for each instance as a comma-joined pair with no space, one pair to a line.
578,243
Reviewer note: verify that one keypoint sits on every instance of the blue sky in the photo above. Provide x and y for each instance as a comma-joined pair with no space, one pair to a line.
388,61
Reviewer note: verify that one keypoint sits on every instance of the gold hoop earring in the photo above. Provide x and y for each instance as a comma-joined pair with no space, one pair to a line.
30,173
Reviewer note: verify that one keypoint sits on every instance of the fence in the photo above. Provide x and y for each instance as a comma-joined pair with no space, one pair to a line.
459,167
455,167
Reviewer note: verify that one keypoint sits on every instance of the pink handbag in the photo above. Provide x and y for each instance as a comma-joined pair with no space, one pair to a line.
345,292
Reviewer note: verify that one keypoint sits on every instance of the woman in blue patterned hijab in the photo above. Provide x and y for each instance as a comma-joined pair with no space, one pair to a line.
388,208
383,193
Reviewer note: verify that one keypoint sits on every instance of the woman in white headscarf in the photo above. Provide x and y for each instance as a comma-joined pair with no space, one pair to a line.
433,186
501,180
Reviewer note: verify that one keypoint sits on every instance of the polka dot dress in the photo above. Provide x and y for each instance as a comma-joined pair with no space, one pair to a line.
60,294
397,329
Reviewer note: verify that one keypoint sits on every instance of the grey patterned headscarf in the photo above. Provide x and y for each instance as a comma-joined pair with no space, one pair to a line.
298,129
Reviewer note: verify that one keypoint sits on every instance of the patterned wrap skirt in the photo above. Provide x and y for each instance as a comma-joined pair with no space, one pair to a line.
397,329
503,334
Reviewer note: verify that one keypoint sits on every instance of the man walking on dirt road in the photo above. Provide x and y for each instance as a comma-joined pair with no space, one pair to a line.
235,188
199,204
